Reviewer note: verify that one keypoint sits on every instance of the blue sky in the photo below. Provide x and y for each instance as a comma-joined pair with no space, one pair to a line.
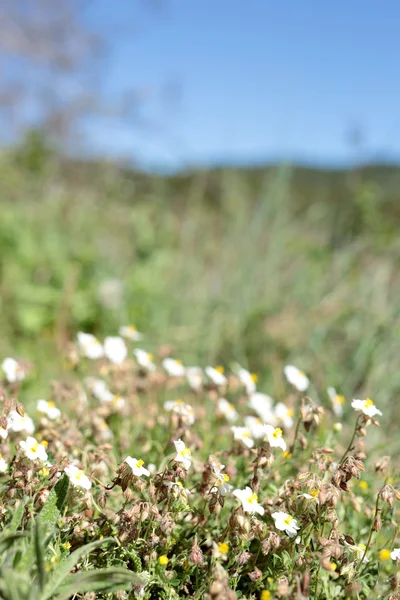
254,80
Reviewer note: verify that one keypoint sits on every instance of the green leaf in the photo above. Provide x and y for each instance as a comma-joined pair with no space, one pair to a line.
55,502
39,555
66,566
17,518
99,580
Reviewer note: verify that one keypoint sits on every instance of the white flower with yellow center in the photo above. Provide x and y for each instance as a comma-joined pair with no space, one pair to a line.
130,333
359,550
33,449
262,405
313,496
115,349
249,501
248,379
3,433
77,477
195,377
273,435
227,410
183,454
179,407
12,370
174,367
16,423
366,406
3,465
337,401
242,434
216,375
284,415
221,484
395,554
89,346
297,378
285,522
49,409
137,466
255,426
144,359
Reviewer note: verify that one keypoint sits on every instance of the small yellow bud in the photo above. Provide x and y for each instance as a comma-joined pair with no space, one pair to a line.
163,560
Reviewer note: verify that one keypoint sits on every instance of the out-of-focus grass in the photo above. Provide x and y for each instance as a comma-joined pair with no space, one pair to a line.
234,267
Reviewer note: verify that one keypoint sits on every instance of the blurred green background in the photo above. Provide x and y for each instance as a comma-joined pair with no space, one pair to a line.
260,266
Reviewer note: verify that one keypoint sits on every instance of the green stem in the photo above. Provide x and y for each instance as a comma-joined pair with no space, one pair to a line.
351,442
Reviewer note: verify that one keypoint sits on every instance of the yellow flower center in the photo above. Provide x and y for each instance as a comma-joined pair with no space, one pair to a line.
277,433
220,369
79,475
314,493
44,472
265,595
51,404
184,451
384,554
368,403
254,377
245,434
286,454
223,547
163,560
253,499
34,447
290,412
226,477
140,463
44,443
363,485
339,399
149,356
288,520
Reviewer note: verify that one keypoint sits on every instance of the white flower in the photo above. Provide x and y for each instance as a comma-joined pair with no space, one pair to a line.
33,449
115,349
77,477
227,410
248,379
185,411
17,423
296,378
173,367
286,523
337,401
130,333
395,554
221,484
262,405
255,426
195,377
49,409
144,359
359,550
274,437
12,370
366,406
242,434
3,465
216,375
284,414
89,346
3,433
249,500
183,454
137,466
152,467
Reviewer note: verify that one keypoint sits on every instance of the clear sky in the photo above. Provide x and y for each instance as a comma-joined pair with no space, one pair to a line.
255,80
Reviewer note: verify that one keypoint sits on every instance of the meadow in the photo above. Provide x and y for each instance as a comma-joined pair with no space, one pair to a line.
245,271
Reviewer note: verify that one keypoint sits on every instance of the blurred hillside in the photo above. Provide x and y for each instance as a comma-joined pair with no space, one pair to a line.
260,265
